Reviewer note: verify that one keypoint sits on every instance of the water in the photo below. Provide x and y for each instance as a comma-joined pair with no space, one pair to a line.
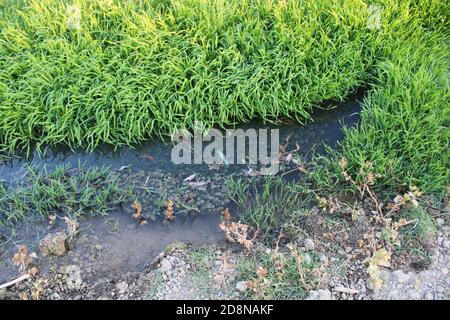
129,247
155,155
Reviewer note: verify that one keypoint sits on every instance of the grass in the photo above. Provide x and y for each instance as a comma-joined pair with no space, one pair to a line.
283,280
83,73
62,192
126,70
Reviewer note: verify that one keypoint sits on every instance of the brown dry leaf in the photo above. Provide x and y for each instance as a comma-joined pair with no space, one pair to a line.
138,214
33,271
238,232
328,235
169,211
299,259
226,216
37,290
261,271
21,258
23,296
72,227
137,206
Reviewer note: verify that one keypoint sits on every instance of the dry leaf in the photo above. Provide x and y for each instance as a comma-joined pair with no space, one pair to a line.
23,296
138,214
237,232
226,216
261,272
21,258
72,227
169,211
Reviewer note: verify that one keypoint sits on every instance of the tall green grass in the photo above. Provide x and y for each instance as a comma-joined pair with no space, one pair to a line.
138,68
104,71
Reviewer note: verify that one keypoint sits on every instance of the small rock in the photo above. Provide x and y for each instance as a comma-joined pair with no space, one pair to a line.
56,296
165,266
307,259
321,294
429,296
122,287
440,221
74,280
3,294
400,276
309,244
53,243
241,286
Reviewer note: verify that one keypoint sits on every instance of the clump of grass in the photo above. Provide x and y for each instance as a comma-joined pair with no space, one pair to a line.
127,70
64,192
268,205
279,275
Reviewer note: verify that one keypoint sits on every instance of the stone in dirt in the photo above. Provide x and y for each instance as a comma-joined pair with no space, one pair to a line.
321,294
122,287
53,243
73,280
309,244
241,286
165,266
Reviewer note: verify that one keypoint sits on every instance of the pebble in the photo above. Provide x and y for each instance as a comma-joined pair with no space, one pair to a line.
122,287
165,266
241,286
321,294
309,244
3,294
307,259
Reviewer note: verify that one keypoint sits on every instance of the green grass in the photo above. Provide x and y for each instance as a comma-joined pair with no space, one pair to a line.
130,70
270,204
139,68
283,280
62,192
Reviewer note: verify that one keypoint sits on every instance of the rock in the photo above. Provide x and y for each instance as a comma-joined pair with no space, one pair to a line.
56,296
3,294
400,276
440,221
122,287
73,280
321,294
429,296
165,266
307,259
309,244
53,243
241,286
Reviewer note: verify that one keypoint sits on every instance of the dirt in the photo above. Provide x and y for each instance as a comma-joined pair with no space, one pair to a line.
187,260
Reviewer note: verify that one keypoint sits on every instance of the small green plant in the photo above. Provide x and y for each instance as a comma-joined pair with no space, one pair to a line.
63,192
272,274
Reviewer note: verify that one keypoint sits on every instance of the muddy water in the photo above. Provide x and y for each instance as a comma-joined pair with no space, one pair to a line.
125,246
326,128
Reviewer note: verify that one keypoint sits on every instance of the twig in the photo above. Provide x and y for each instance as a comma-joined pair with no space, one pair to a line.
19,279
